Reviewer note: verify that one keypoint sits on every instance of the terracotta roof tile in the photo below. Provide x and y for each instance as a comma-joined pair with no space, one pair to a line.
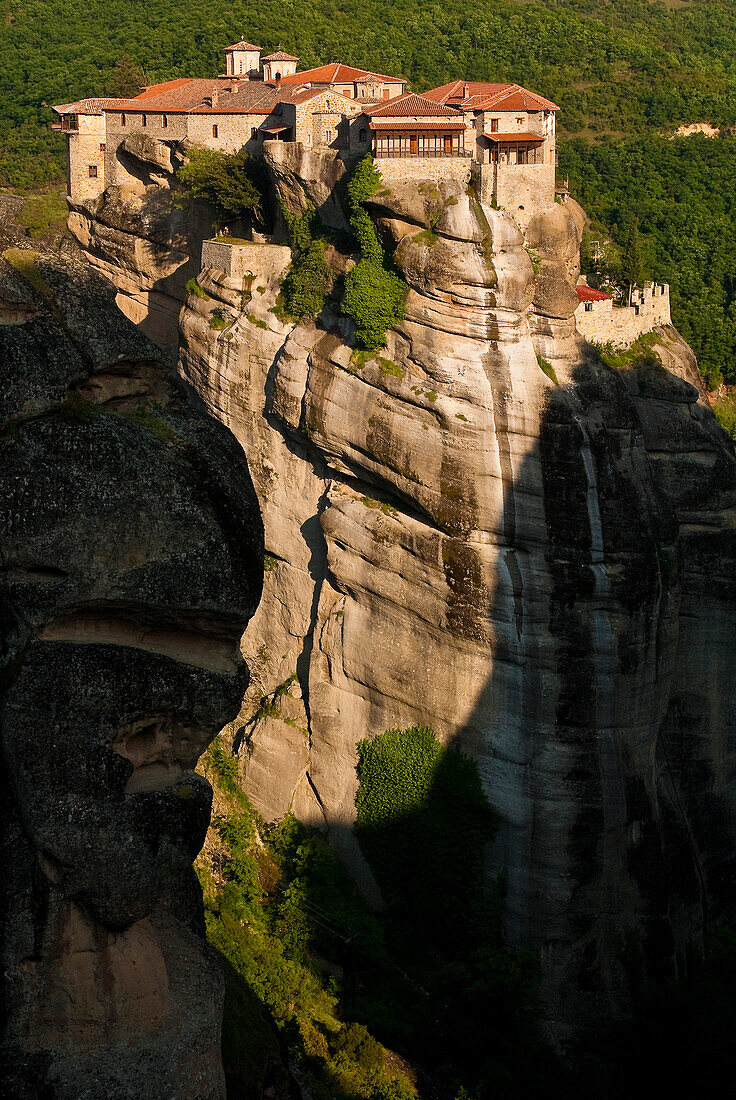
381,125
514,136
588,294
86,106
337,73
412,104
478,95
280,56
241,45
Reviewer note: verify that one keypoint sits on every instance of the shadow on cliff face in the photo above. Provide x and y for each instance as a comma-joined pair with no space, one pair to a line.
131,559
615,842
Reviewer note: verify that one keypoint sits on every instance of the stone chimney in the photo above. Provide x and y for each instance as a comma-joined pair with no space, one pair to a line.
465,91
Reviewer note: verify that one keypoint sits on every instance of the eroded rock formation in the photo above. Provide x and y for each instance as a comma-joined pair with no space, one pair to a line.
486,530
131,554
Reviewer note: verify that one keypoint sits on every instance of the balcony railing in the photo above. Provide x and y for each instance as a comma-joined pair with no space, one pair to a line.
424,154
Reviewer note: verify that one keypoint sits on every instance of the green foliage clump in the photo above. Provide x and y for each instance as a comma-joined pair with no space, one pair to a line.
194,288
548,369
279,905
305,288
219,319
374,295
423,823
229,182
725,410
44,212
308,282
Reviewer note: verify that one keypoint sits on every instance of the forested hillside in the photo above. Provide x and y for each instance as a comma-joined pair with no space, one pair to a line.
623,70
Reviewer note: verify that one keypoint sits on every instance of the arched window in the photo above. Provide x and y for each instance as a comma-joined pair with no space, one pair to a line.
278,77
122,120
144,120
164,121
214,131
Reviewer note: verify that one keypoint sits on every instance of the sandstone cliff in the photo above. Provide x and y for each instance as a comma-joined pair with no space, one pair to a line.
486,530
131,554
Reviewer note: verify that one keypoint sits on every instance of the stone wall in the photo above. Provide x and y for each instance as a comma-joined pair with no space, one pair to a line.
521,190
237,260
606,323
86,151
400,169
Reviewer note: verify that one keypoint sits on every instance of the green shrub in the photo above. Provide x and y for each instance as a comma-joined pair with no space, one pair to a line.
725,410
548,369
374,298
193,287
308,282
44,212
219,319
230,182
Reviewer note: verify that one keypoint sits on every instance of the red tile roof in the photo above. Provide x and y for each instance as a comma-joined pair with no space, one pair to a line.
159,89
478,96
462,89
588,294
280,56
507,139
194,96
241,45
86,106
337,73
383,124
414,105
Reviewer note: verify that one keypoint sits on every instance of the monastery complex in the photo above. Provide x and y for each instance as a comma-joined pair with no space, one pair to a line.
499,135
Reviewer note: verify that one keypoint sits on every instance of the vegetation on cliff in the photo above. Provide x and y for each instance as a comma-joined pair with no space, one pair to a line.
374,294
231,183
309,279
347,987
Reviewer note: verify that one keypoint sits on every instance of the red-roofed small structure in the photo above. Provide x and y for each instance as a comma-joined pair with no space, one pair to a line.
590,294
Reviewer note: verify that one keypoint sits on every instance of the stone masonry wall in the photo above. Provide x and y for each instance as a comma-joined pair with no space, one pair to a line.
87,148
237,260
400,169
621,325
521,190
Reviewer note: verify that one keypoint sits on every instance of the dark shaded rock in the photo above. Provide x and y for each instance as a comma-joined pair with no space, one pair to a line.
131,558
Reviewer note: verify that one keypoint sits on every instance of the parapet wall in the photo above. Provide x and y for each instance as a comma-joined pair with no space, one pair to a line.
246,258
605,323
400,169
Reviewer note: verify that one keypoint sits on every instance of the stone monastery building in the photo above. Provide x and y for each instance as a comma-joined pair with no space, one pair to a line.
499,135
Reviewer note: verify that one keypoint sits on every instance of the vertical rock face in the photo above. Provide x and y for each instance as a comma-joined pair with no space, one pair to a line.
130,561
486,530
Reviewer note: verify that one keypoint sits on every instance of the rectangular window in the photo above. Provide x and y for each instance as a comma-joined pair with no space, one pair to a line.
328,136
520,122
214,131
386,94
144,120
122,120
164,121
588,307
494,125
93,171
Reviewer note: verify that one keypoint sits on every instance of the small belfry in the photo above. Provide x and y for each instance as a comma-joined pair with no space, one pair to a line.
501,137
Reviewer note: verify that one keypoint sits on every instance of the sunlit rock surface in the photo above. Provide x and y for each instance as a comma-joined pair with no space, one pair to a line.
486,530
